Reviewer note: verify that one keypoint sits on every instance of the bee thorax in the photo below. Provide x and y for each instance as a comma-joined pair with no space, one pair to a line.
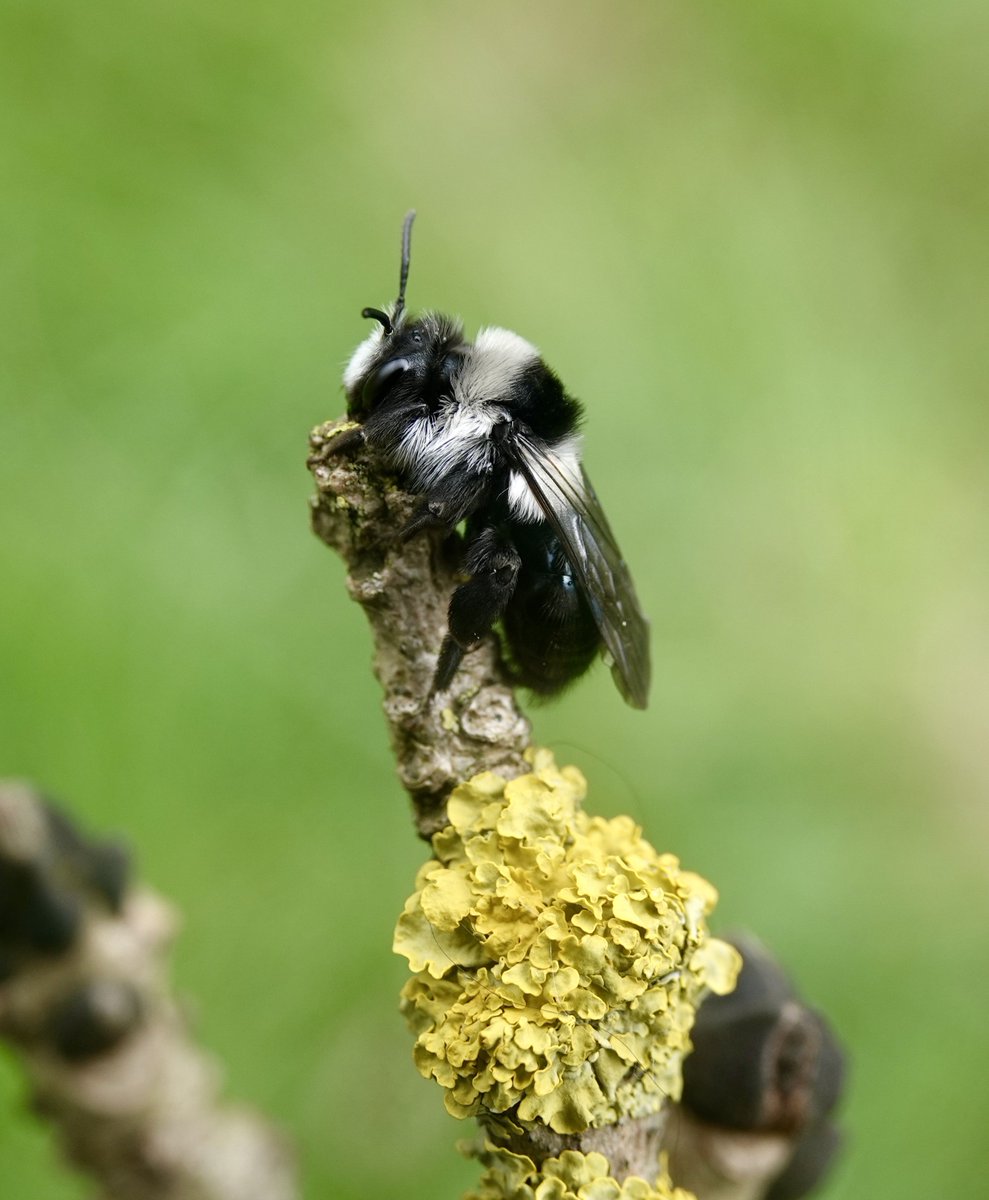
458,437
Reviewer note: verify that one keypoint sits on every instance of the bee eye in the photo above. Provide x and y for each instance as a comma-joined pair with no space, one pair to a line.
378,382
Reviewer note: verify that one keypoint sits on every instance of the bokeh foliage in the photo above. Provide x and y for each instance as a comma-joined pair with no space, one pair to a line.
753,238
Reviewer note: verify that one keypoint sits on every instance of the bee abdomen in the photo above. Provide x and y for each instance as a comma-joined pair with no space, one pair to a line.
550,631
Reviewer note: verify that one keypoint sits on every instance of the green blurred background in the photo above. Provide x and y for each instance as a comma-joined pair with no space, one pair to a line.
752,237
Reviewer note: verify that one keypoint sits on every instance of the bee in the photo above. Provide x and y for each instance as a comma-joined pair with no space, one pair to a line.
486,436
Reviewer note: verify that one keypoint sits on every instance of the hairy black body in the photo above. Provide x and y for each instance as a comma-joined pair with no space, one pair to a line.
486,434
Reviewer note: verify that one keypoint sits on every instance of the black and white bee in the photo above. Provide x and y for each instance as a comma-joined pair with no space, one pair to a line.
486,434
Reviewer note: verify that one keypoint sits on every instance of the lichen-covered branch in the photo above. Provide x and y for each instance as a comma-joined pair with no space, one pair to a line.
86,1001
559,962
564,1103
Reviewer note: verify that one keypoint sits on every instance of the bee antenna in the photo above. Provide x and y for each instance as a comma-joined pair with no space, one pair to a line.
379,316
403,278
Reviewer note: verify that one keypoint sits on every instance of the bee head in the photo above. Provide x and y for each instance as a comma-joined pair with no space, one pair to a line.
407,358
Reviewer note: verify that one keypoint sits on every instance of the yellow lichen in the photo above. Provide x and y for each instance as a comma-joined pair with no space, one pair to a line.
449,719
558,958
572,1176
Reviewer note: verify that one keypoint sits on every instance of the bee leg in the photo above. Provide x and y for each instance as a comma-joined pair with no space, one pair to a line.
430,514
387,426
450,657
382,430
447,505
346,442
493,564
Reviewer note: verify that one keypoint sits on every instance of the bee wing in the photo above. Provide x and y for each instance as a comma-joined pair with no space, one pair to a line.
574,513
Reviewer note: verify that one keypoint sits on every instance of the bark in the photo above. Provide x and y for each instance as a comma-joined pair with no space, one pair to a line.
404,589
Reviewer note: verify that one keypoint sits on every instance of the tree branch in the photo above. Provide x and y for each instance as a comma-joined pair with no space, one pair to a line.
85,1000
404,589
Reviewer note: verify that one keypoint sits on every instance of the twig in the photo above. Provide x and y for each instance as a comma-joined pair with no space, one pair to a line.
404,588
86,1001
